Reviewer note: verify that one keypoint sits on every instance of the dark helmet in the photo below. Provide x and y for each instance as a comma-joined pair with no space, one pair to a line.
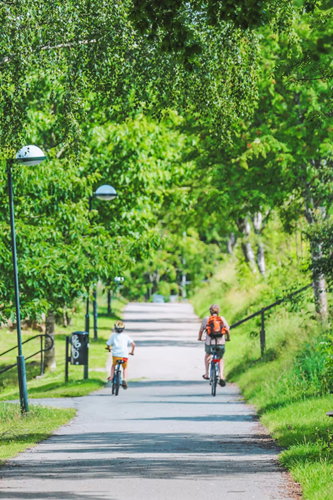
119,326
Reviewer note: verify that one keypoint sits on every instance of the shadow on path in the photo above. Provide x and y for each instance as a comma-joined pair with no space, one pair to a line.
141,455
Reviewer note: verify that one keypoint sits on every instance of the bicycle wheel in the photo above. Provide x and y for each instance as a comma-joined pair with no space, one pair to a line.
214,381
114,384
117,383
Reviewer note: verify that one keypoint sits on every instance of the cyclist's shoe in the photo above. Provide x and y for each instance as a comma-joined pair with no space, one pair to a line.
205,377
110,379
124,384
222,382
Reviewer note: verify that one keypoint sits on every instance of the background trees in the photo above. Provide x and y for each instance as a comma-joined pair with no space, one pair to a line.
205,123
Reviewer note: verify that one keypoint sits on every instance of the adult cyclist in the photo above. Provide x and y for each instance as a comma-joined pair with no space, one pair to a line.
220,343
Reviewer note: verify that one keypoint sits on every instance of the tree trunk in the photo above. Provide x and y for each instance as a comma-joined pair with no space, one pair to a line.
64,314
244,226
319,285
319,282
231,243
249,255
109,301
261,259
258,224
50,362
69,319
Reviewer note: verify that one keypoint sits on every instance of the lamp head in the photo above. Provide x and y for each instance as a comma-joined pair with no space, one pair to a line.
30,155
105,192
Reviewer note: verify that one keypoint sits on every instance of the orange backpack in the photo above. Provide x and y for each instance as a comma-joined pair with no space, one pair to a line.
215,327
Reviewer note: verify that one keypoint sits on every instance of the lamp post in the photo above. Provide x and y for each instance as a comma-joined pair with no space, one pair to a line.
118,280
106,193
28,155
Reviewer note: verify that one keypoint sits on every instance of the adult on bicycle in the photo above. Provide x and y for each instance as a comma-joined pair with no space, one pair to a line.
219,344
119,343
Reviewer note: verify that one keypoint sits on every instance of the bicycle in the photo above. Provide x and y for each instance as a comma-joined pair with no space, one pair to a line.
214,370
117,379
116,382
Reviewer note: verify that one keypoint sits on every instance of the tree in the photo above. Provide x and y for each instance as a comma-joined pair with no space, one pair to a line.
280,159
66,50
62,249
162,271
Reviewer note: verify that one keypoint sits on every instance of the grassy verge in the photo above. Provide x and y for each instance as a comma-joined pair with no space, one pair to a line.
19,432
288,387
52,384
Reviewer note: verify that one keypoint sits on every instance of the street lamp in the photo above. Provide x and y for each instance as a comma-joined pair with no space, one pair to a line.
28,155
118,280
106,193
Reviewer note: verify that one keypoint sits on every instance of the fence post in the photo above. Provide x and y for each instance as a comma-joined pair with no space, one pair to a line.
262,333
66,359
41,356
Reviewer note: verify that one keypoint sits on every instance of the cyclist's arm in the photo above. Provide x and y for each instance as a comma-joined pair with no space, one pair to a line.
133,347
202,329
227,336
109,344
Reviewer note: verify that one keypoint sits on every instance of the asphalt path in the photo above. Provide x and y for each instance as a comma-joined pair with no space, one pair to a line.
165,438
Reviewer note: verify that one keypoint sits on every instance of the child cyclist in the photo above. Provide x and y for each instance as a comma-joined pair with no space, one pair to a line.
119,343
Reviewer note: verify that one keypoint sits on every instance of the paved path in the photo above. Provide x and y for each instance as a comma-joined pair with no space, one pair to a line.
165,438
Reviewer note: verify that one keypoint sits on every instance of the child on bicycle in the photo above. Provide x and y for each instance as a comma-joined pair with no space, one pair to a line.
119,343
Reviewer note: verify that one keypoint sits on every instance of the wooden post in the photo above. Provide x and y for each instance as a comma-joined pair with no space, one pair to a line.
262,333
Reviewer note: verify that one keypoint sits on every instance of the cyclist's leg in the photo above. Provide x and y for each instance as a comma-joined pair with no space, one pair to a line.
113,367
207,362
125,371
112,371
221,366
207,359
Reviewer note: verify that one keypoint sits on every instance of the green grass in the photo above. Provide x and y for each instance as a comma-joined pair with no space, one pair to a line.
55,389
20,431
289,386
52,384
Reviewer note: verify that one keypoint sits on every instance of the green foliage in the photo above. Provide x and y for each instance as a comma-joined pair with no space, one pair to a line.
62,249
162,272
322,236
173,22
54,55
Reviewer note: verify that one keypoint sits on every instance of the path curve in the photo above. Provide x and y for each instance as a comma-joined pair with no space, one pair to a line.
165,438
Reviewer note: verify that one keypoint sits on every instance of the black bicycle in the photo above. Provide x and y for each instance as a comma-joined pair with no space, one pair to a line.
117,380
214,370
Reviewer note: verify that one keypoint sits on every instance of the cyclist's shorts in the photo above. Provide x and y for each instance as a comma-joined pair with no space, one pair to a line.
220,350
115,361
